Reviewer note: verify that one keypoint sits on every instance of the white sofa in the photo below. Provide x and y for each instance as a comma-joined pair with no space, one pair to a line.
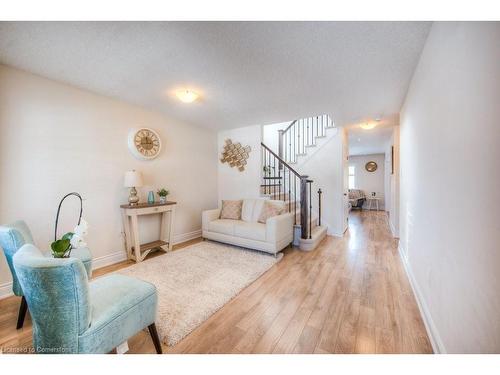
271,237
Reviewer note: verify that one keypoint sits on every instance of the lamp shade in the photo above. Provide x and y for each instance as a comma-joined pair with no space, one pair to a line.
133,179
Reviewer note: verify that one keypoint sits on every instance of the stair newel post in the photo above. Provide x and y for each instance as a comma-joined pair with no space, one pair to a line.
304,207
309,182
319,206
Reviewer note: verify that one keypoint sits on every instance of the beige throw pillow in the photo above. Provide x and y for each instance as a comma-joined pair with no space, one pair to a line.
231,210
269,210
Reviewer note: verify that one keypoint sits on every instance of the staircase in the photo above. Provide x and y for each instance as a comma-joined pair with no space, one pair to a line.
298,138
282,182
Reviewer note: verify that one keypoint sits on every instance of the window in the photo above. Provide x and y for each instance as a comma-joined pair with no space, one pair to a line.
352,177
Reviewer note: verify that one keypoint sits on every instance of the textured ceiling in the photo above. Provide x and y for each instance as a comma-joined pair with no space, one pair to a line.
247,72
371,141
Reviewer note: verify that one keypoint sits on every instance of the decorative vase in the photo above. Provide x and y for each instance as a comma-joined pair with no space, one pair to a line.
151,197
163,199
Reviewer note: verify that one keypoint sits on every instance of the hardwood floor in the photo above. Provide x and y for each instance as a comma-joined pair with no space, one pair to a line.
351,295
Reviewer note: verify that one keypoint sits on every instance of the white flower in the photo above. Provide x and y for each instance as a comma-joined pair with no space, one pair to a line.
77,241
82,228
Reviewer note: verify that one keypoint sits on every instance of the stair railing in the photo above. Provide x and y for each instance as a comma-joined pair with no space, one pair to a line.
301,133
282,182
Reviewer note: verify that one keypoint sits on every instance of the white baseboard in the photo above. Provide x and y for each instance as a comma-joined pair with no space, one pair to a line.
391,227
430,327
120,256
180,238
335,234
109,259
6,290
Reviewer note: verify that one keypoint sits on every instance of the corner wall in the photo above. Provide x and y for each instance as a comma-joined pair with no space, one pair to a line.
450,179
326,168
56,138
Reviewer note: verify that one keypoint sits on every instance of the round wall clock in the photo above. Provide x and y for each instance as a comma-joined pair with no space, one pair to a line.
144,143
371,166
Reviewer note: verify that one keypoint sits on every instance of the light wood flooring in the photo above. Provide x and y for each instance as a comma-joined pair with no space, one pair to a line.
350,295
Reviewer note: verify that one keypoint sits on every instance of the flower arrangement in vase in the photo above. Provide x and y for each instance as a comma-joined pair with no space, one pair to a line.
162,193
61,248
72,240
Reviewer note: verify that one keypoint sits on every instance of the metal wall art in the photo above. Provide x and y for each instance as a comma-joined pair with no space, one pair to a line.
371,166
235,154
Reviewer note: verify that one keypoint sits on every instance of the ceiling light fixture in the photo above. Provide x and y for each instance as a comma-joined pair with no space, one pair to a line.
186,96
368,126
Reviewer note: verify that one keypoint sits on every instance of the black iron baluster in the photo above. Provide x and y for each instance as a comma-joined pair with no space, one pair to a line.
267,172
289,194
295,199
319,206
274,178
310,208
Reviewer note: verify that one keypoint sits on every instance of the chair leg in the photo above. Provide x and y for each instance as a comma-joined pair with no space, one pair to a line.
23,308
155,338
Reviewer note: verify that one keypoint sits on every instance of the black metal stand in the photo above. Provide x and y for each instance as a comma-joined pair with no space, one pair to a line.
59,210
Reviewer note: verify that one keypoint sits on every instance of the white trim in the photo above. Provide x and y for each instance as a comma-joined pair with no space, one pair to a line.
335,234
6,290
109,259
180,238
430,327
120,256
391,227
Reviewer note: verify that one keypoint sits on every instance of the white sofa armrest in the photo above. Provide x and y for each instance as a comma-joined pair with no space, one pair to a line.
279,227
208,216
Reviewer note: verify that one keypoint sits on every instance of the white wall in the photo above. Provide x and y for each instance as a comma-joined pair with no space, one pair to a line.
326,168
233,184
55,139
450,179
391,180
370,181
270,135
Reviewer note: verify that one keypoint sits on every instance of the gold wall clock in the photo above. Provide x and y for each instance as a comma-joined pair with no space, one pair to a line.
144,143
371,166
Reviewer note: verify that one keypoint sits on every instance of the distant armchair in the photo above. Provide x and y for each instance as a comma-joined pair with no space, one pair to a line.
357,198
72,315
12,238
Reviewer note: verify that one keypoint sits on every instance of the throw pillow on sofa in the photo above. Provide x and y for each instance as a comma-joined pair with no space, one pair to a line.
269,210
231,210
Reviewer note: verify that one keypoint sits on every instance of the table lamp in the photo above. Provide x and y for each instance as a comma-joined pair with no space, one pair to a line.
133,179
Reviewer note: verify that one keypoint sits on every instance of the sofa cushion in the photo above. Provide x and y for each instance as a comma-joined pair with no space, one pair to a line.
251,231
247,210
269,210
231,210
224,226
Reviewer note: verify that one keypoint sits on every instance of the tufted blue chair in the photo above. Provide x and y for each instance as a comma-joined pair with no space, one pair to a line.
72,315
15,235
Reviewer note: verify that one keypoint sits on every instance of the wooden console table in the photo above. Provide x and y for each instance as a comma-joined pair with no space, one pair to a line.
130,214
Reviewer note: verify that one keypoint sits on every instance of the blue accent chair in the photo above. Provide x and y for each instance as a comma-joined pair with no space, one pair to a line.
15,235
72,315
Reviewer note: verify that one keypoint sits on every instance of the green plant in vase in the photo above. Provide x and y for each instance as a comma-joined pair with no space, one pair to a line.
162,193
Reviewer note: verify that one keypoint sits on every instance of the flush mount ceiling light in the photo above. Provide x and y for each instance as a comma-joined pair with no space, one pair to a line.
368,126
186,96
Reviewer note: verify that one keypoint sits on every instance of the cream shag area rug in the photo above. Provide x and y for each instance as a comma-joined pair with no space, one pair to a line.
196,281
